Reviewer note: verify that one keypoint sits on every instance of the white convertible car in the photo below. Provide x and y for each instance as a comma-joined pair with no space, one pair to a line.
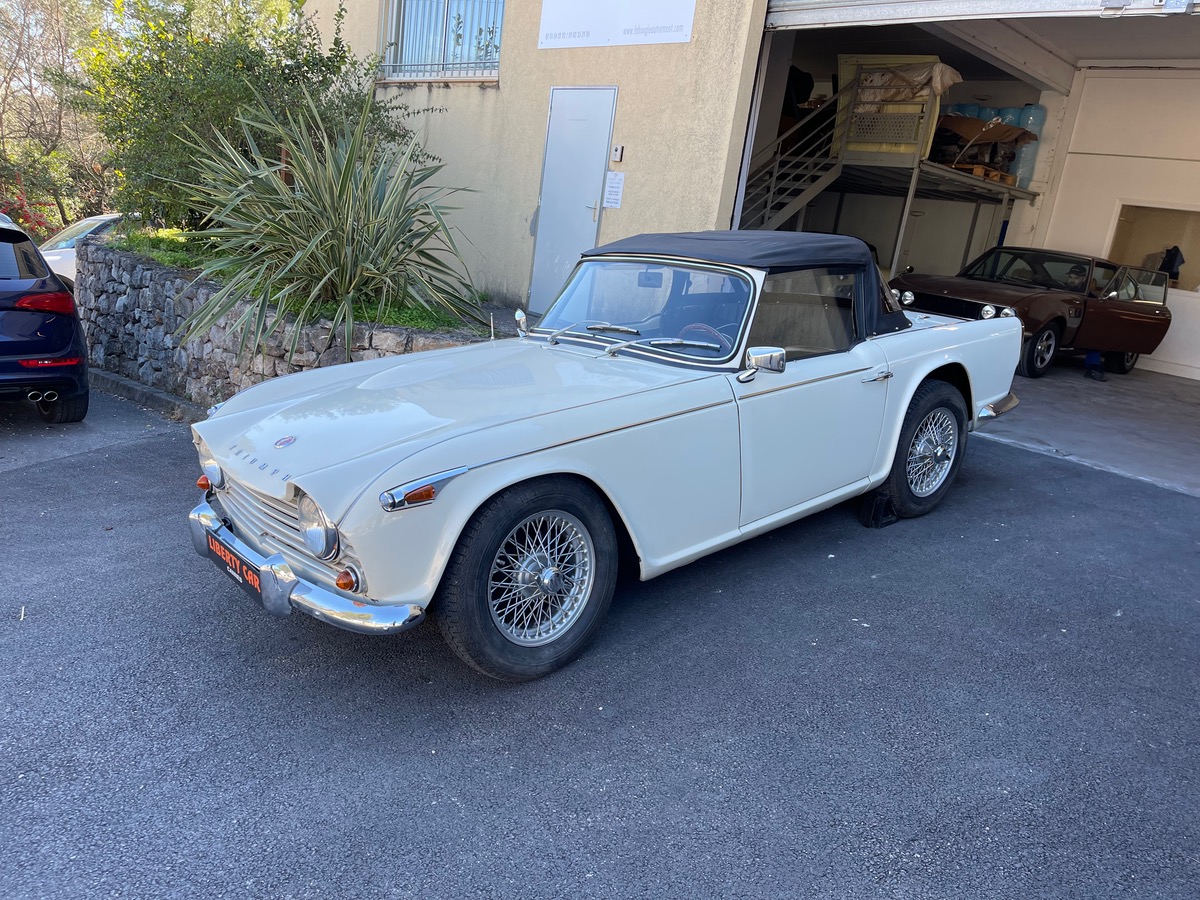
684,392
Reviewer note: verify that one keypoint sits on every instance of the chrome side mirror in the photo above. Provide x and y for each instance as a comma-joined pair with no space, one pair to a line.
522,322
1112,295
768,359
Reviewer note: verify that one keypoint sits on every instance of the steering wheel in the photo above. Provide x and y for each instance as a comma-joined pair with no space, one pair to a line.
707,331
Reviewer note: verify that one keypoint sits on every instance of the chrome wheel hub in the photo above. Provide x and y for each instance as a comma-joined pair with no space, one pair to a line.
931,453
541,578
1043,353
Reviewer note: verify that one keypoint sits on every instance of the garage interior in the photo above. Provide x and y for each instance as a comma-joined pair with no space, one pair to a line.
922,214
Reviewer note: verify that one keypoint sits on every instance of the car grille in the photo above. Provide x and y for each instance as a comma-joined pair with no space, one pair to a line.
259,517
940,304
272,526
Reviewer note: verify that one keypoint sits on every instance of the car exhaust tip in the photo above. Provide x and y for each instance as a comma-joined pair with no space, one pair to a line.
50,396
35,396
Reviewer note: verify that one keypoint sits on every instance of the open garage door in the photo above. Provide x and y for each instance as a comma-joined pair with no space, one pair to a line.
1120,86
1010,53
809,13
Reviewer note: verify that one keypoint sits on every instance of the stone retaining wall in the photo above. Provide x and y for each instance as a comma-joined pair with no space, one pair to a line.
132,309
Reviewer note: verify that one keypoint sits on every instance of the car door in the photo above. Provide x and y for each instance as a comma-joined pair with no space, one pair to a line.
1129,316
813,428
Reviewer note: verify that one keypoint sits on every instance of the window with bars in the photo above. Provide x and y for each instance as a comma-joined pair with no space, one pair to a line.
442,39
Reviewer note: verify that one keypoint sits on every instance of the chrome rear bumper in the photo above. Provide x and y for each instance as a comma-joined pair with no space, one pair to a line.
997,409
283,590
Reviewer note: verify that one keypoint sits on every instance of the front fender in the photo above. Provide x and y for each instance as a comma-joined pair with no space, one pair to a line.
1041,309
672,479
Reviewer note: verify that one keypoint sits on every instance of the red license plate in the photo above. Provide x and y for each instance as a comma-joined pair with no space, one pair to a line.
235,565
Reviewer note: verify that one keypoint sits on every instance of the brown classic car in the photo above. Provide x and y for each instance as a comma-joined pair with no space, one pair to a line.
1065,302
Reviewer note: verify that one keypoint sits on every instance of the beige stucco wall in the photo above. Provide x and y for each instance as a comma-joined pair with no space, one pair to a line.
681,115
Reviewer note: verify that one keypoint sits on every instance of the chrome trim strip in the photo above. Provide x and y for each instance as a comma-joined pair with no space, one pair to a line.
393,498
999,408
283,590
785,387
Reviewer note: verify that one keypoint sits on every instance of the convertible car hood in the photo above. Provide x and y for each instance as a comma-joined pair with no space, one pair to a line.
995,292
289,427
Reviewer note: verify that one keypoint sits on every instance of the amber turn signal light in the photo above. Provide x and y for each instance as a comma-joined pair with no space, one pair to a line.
421,495
203,483
347,580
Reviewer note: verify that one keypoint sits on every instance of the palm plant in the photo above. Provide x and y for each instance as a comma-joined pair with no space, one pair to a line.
343,221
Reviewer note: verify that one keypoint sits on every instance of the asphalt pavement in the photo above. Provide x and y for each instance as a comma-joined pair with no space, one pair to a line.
996,700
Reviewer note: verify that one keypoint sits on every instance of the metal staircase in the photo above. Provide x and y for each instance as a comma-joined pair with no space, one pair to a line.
789,173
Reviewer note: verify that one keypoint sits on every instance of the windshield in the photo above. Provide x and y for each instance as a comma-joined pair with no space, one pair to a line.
1039,268
677,309
65,239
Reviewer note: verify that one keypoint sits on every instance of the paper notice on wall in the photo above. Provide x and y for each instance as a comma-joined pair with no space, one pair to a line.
614,188
569,23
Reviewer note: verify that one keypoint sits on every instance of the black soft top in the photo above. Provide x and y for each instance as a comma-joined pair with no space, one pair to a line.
776,251
757,249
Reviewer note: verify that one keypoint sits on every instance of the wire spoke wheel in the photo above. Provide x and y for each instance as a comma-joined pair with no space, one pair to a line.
931,453
541,578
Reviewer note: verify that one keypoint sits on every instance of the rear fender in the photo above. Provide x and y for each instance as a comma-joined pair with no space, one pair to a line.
980,362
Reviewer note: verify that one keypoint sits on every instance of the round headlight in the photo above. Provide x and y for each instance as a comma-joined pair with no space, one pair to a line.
319,536
987,312
210,467
908,298
1007,313
216,477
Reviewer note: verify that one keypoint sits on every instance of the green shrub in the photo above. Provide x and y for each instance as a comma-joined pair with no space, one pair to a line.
166,246
350,223
162,71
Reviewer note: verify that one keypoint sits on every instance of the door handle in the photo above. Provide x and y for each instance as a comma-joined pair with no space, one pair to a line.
879,376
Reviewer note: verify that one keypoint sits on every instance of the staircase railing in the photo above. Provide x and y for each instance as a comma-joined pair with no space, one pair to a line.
791,171
807,154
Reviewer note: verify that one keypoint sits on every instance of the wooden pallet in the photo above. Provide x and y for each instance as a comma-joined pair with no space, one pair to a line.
980,171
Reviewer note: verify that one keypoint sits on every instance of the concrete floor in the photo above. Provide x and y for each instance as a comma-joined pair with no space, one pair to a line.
1143,425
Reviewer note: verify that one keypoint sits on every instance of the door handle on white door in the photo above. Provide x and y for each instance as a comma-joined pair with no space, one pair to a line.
878,376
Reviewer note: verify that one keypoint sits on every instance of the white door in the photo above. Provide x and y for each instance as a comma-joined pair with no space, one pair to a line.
568,219
814,428
811,429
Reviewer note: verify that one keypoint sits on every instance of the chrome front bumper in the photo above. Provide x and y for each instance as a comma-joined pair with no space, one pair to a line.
997,409
283,590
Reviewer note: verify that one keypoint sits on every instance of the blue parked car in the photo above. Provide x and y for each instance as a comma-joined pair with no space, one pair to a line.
43,357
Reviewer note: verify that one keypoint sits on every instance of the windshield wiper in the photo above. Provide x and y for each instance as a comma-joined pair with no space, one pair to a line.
662,342
595,325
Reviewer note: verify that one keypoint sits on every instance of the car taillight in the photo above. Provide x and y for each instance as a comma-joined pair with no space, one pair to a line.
51,361
54,302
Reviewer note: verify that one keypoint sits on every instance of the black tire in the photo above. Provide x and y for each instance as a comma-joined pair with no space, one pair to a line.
492,579
1037,355
936,412
62,410
1121,363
